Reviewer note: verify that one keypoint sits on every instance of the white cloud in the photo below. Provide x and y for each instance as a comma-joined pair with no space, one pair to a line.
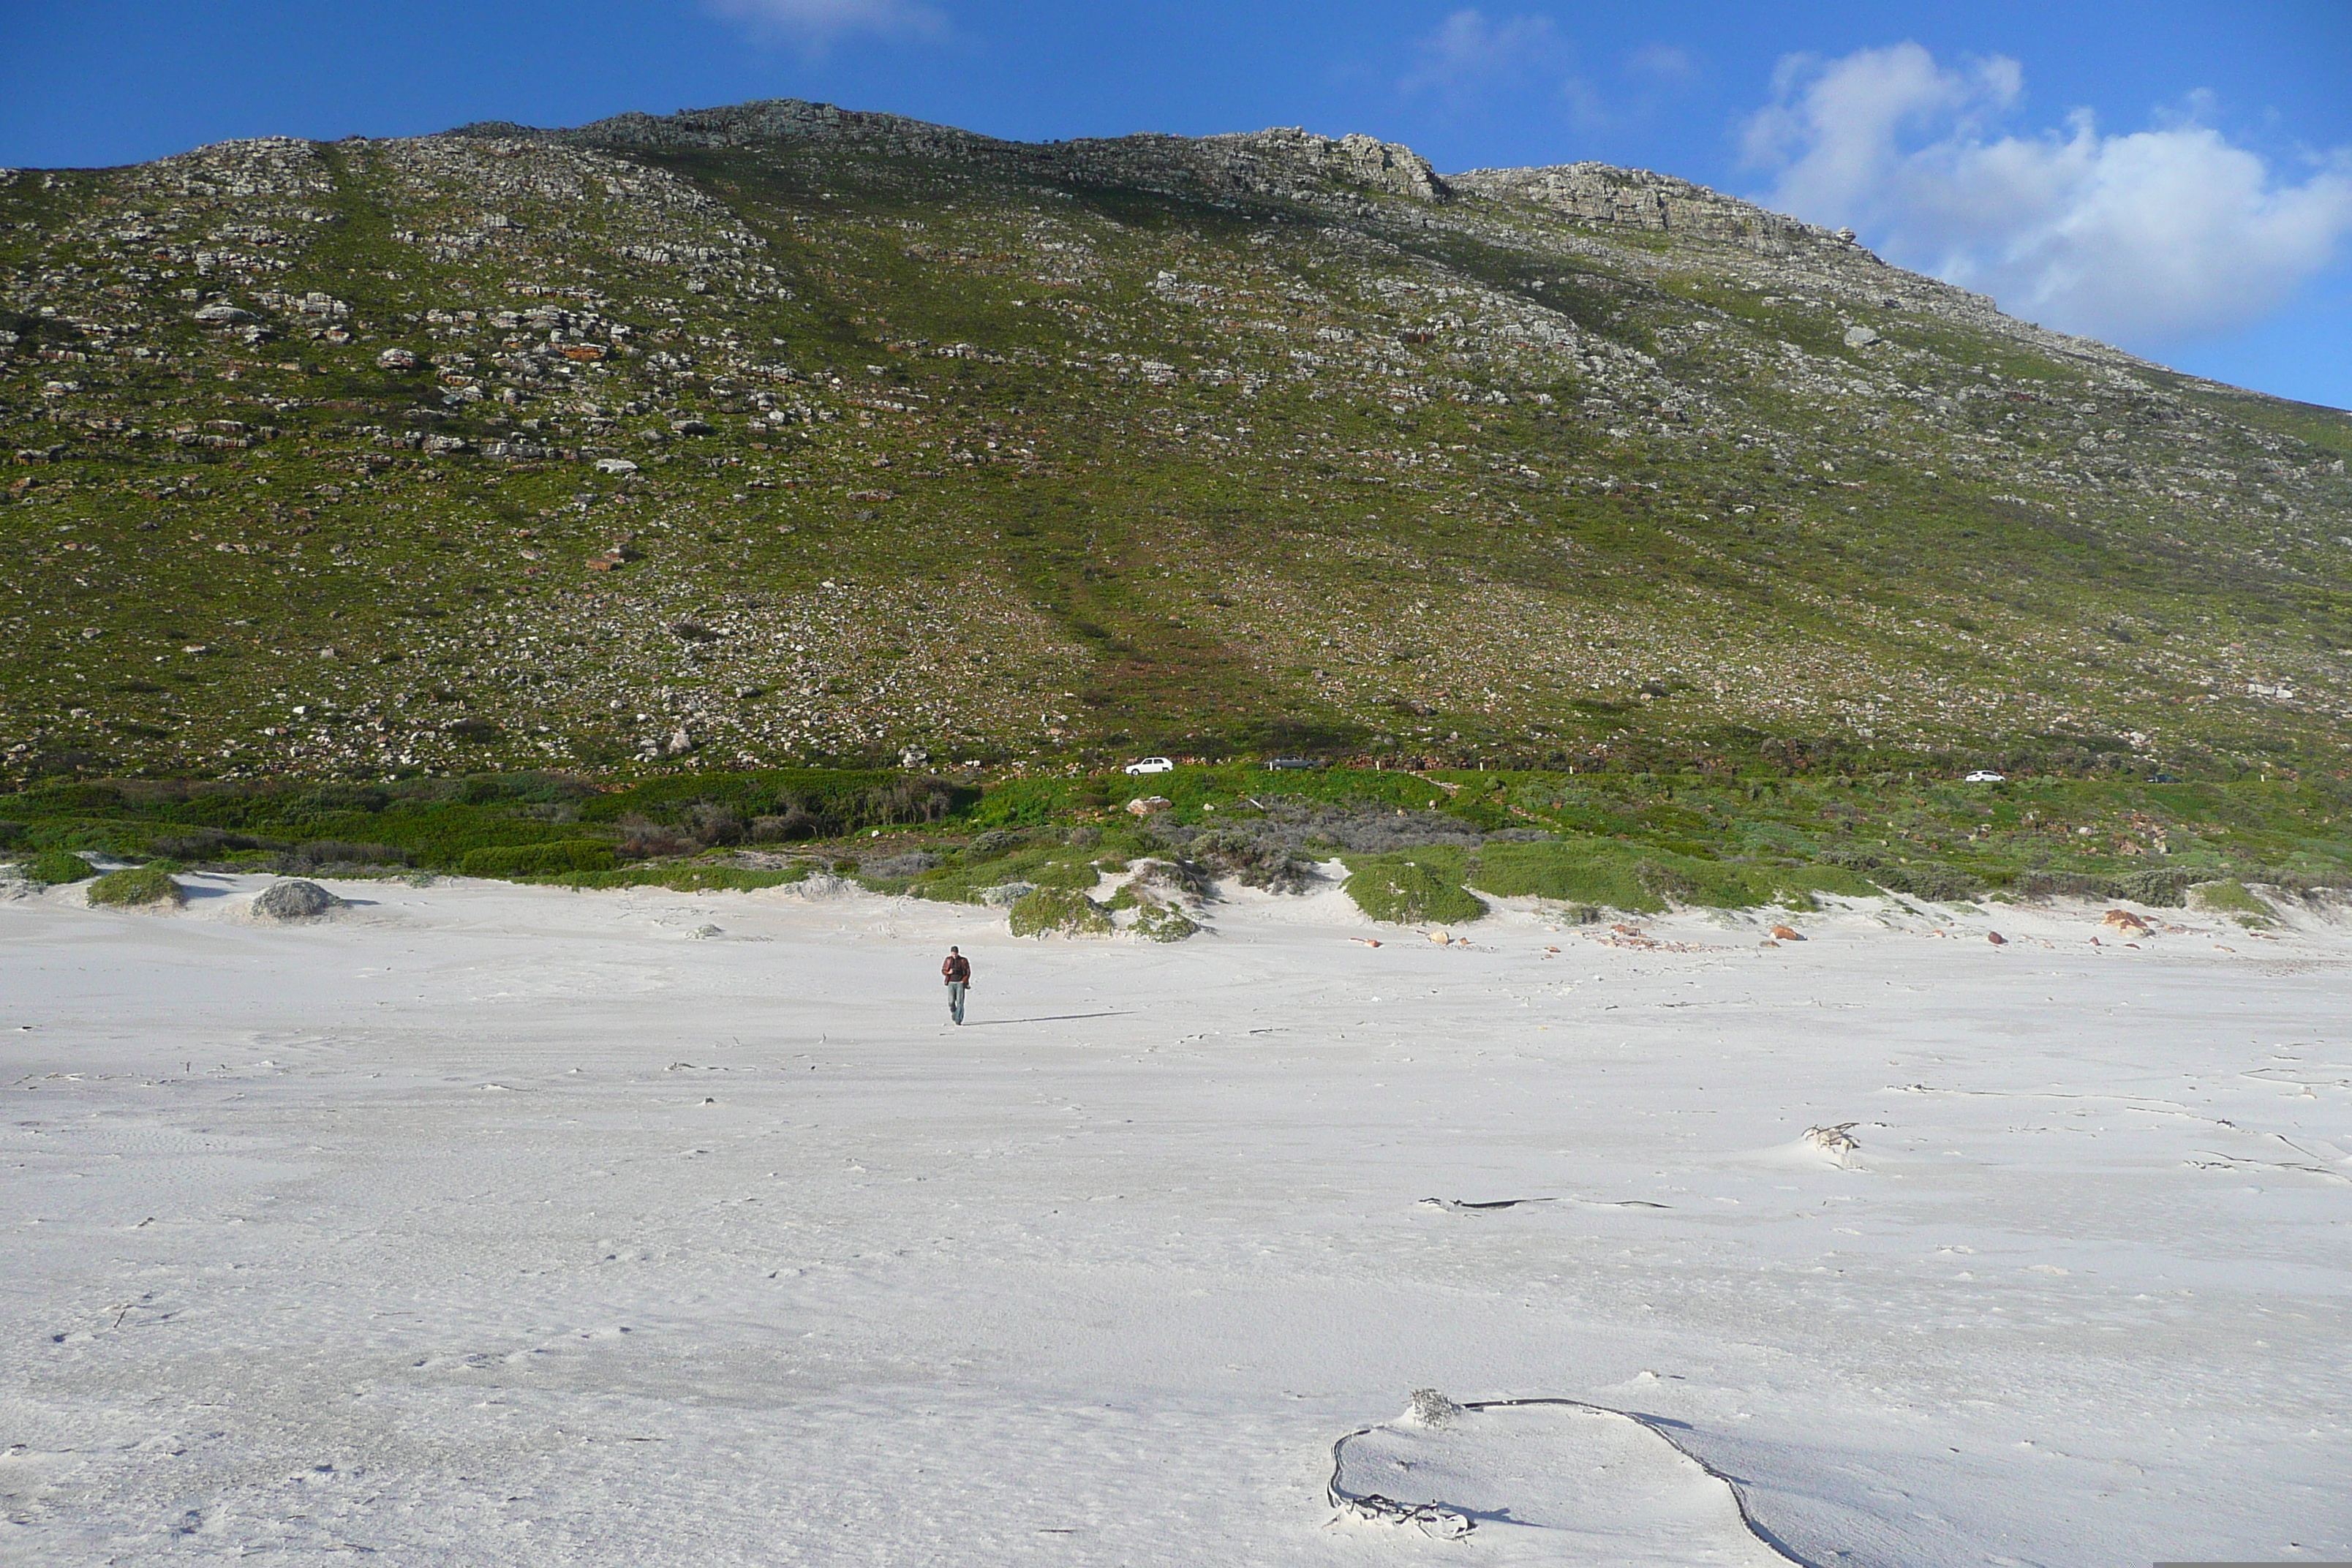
2154,236
1471,61
1662,63
1468,54
817,24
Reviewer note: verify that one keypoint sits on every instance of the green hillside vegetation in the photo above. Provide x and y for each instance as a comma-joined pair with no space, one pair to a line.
695,448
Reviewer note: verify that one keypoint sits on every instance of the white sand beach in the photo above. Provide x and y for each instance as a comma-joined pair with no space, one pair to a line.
484,1223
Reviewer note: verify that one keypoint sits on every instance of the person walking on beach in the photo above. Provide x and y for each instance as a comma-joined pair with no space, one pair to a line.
957,972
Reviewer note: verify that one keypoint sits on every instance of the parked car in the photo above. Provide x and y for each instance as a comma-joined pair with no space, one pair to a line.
1986,775
1277,765
1151,765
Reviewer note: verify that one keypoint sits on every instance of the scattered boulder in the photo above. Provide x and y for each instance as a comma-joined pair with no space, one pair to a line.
1144,806
1006,894
1787,934
2126,921
1860,337
1995,938
396,358
222,315
295,900
615,466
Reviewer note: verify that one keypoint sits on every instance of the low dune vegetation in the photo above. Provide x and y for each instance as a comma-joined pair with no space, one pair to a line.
1426,845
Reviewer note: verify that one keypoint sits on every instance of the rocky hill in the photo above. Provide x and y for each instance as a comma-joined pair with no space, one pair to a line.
784,433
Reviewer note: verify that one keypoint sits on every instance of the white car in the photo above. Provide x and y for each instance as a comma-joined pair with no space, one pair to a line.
1151,765
1986,775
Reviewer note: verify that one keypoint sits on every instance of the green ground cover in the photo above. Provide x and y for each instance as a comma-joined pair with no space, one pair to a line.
1627,841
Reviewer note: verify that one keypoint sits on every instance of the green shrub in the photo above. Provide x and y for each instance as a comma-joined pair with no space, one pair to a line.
682,879
321,852
1047,866
58,867
140,885
1059,911
1927,879
1412,886
1578,871
209,844
538,860
1157,921
2165,888
1667,880
2064,884
1611,874
1921,878
2230,897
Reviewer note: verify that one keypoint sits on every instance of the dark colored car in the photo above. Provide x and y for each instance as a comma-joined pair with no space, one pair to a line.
1277,765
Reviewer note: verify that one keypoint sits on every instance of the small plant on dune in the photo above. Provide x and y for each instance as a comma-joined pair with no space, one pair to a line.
58,867
1157,921
138,886
1059,911
1408,889
1255,863
1183,876
2233,898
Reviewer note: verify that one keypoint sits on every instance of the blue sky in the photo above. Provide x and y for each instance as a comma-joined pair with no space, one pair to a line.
2174,177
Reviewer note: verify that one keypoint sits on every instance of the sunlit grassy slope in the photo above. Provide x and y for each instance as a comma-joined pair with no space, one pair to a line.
744,442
